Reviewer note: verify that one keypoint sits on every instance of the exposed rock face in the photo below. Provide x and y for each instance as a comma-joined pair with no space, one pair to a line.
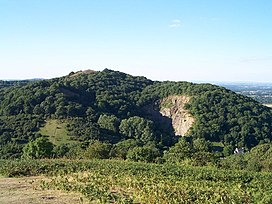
88,71
173,108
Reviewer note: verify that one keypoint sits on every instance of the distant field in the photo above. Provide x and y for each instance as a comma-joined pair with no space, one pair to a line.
56,131
268,105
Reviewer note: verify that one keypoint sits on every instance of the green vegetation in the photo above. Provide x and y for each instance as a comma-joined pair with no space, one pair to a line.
111,115
221,115
258,159
56,131
37,149
105,181
112,107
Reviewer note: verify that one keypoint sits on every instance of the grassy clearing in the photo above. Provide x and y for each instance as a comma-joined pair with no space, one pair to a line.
56,131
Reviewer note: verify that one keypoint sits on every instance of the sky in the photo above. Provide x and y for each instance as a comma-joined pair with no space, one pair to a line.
179,40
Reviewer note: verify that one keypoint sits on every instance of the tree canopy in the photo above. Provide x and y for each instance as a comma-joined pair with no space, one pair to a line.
110,106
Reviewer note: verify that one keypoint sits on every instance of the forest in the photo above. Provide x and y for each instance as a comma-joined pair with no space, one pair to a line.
105,116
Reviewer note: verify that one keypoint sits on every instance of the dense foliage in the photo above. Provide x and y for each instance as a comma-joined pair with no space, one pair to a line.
110,107
258,159
221,115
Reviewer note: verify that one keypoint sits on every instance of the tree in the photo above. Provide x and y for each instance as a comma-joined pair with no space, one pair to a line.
5,137
143,154
228,150
202,158
121,149
201,145
61,150
109,122
179,152
39,148
137,128
10,150
97,150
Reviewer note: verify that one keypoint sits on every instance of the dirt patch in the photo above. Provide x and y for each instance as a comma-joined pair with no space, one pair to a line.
27,191
88,71
173,108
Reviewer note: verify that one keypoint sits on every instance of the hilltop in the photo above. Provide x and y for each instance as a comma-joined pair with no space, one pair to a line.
129,111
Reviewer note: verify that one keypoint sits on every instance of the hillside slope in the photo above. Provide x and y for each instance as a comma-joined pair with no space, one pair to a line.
113,106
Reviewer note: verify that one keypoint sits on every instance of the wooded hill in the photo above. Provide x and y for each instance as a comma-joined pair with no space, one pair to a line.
114,107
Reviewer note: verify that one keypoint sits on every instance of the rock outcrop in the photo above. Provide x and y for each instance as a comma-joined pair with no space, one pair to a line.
173,107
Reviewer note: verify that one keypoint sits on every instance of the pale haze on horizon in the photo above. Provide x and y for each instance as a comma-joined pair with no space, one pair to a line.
178,40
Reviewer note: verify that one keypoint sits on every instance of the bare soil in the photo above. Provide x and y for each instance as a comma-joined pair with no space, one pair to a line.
26,190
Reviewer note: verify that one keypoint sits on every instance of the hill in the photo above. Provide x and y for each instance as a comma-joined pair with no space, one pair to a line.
127,111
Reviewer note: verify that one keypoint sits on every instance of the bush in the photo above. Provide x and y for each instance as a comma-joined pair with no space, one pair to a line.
121,149
144,154
254,165
234,162
38,149
97,150
179,152
61,150
202,159
11,150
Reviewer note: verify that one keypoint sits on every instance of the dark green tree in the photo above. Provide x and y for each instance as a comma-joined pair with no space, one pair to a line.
143,154
137,128
121,149
97,150
109,122
37,149
180,151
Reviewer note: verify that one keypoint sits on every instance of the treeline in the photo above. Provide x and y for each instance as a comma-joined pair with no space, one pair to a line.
185,151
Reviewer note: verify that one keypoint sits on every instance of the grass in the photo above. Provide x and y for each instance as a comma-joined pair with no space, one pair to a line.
56,131
113,181
26,190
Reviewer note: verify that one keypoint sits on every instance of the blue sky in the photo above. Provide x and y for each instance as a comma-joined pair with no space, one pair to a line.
192,40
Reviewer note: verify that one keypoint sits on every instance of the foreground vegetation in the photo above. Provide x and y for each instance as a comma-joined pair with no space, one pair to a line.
105,181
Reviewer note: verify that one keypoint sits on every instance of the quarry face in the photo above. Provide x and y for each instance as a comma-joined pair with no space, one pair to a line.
173,107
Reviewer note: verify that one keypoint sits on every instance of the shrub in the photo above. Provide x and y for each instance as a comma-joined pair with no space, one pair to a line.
144,154
97,150
38,149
